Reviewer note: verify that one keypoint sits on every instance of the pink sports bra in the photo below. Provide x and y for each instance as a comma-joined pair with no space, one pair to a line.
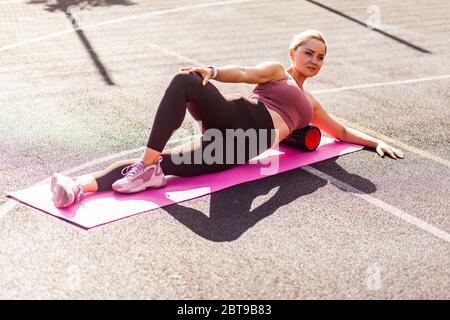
286,98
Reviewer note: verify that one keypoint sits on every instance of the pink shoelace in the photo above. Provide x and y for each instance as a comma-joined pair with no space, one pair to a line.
133,169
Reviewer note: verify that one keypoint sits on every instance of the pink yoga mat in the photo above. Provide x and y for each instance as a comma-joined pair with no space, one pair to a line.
104,207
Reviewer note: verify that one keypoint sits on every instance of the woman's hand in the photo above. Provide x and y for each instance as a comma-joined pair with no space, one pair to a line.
391,151
205,72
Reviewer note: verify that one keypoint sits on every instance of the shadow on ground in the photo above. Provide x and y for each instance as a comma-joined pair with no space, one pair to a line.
63,5
72,9
231,213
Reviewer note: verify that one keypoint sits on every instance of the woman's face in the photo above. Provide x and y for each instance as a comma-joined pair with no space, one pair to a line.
308,58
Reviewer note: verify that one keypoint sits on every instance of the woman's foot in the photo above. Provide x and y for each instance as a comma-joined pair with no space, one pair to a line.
139,177
65,190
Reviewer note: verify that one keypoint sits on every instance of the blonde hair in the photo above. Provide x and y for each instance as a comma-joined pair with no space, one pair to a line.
304,36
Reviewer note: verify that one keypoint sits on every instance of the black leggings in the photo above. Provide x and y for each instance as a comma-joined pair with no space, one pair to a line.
215,111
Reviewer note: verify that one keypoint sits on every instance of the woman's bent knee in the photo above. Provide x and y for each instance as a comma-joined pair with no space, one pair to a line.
184,77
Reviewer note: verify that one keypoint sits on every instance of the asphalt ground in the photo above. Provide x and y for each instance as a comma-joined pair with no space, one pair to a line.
354,227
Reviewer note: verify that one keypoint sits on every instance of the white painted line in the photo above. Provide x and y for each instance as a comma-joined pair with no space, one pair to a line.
7,207
12,1
180,57
382,205
379,84
174,54
405,146
71,52
370,85
10,204
114,21
115,156
400,144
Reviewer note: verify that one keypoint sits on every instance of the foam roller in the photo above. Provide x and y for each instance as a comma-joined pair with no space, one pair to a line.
306,139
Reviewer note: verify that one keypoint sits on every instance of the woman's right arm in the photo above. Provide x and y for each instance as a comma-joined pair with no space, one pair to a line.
261,73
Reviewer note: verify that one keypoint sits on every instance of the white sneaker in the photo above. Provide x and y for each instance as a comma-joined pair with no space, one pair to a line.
65,190
139,177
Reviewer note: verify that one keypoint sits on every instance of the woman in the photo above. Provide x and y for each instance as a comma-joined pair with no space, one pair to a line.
278,103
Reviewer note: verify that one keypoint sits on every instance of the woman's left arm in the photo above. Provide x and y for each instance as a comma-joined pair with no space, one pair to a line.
357,137
323,120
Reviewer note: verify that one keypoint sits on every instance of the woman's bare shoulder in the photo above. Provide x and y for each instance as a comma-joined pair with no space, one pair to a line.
279,72
283,74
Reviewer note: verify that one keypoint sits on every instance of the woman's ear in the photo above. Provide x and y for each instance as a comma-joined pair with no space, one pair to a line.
292,54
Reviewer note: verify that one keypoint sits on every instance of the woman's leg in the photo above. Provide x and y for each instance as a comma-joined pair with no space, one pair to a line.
208,105
215,111
205,103
103,180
